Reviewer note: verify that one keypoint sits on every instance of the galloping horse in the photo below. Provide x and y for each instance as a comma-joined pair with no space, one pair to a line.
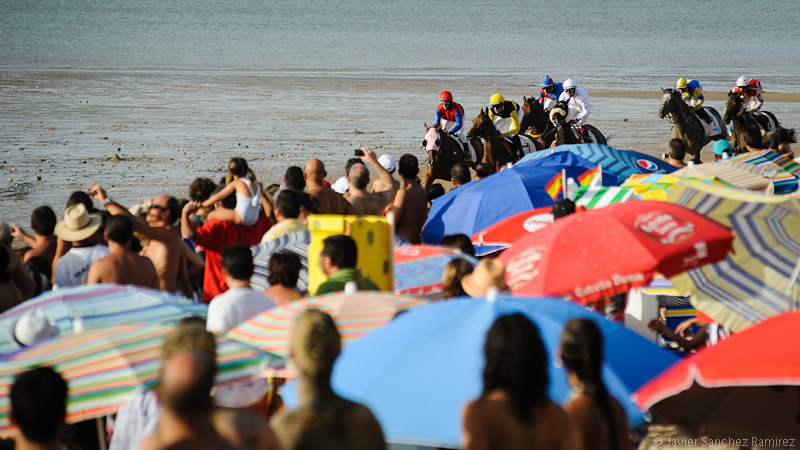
566,134
444,153
542,131
686,125
735,111
497,152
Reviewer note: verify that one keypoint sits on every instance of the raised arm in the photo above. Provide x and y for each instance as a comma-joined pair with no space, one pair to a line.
139,225
219,196
17,232
383,175
188,228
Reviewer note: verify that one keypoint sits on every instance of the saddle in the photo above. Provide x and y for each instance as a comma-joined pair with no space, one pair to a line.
519,145
466,155
709,123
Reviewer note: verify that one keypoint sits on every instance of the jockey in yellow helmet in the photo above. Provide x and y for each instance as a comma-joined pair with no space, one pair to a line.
692,93
504,115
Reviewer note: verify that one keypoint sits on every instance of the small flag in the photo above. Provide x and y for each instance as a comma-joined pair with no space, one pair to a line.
586,177
553,187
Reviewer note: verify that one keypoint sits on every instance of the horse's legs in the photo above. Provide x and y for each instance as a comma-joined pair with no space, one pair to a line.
428,181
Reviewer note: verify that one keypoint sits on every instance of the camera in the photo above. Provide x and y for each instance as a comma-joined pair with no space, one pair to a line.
359,152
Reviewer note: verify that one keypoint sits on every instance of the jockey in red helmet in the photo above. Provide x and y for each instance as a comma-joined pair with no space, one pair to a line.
450,115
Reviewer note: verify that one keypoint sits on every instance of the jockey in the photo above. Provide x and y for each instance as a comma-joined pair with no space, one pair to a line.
549,90
750,91
450,115
578,105
504,115
692,93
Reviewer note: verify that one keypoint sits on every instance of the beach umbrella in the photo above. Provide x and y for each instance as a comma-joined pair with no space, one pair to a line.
478,204
355,315
768,156
782,181
418,268
417,373
508,230
296,243
100,306
746,386
104,367
602,252
658,186
760,278
735,176
622,163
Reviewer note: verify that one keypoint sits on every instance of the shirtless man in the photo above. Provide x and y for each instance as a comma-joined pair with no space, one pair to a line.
322,419
330,202
411,202
16,284
122,266
365,203
165,248
43,242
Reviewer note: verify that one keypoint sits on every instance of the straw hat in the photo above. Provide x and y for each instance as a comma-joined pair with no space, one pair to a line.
488,273
30,328
78,224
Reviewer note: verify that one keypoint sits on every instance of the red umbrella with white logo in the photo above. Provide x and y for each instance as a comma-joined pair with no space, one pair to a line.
602,252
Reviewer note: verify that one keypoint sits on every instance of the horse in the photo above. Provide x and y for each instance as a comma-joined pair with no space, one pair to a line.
567,134
688,126
542,131
443,153
497,152
735,112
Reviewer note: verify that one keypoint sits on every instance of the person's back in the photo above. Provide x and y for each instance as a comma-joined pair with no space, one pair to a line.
410,203
365,203
493,424
330,202
592,429
121,265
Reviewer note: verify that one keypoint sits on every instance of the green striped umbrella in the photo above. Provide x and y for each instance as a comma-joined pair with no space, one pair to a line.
103,368
592,197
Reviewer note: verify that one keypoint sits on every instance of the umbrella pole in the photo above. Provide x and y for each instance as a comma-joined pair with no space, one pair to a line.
792,281
101,435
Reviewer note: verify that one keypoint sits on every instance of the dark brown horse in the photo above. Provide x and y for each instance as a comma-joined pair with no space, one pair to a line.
542,132
686,125
566,134
735,112
497,152
443,153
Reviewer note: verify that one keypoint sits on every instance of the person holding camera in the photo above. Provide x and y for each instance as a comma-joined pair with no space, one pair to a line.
366,203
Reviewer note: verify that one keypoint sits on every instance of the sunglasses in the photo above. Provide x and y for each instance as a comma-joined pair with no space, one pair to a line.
153,205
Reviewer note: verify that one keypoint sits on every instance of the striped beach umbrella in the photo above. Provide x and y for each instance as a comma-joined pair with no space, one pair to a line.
768,156
760,278
783,181
296,243
622,163
658,186
100,306
418,268
738,177
354,314
103,368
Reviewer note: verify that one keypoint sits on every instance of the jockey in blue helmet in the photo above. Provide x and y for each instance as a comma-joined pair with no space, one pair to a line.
549,89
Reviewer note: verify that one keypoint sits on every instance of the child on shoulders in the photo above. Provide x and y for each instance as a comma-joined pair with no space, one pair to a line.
241,181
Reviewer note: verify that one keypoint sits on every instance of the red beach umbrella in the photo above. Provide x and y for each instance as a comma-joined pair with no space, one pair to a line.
747,386
506,231
602,252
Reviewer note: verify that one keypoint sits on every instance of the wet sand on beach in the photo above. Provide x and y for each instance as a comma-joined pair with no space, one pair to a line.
144,133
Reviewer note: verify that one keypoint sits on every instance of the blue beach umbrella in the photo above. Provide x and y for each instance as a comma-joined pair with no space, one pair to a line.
417,373
478,204
622,163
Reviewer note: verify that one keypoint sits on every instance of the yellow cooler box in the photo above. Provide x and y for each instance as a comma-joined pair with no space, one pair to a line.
373,238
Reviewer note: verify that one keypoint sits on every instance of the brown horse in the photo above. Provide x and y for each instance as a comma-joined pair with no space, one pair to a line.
443,153
497,152
735,112
542,131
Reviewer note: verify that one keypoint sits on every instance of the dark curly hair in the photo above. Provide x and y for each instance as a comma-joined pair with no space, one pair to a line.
201,188
516,362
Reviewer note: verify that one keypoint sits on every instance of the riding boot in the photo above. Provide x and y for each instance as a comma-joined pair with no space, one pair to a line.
466,153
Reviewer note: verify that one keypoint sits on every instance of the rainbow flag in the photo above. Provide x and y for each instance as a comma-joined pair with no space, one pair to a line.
554,186
586,177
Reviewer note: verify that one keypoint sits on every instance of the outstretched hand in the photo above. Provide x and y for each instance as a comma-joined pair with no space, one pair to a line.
369,156
96,191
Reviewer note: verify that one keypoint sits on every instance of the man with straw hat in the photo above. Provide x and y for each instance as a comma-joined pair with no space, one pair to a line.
78,227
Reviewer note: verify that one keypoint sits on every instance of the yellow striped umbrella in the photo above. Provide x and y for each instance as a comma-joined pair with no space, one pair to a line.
354,314
104,367
760,278
657,186
736,176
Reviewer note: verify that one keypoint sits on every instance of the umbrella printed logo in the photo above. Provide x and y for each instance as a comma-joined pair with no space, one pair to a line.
536,222
525,267
647,165
664,227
